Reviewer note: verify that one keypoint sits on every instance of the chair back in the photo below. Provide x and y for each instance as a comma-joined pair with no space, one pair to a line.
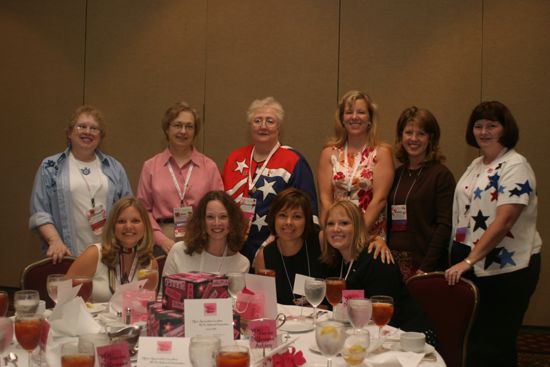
161,260
34,275
451,310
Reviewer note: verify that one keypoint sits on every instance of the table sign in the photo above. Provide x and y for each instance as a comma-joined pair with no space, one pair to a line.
263,334
348,294
210,316
266,285
115,355
161,351
299,284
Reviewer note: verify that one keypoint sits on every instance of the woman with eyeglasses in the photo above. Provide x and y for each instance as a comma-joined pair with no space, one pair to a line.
74,190
253,175
172,183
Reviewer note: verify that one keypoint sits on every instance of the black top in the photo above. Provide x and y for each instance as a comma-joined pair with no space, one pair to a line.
296,264
378,278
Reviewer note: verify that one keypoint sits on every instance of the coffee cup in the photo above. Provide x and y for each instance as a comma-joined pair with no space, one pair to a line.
413,341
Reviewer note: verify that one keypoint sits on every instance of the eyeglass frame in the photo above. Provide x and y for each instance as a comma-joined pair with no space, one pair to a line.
267,122
180,126
92,129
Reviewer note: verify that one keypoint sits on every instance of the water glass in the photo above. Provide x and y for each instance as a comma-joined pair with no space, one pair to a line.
203,350
51,284
26,302
330,336
315,290
359,312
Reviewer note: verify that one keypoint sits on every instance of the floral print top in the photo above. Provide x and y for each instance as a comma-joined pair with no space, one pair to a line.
360,189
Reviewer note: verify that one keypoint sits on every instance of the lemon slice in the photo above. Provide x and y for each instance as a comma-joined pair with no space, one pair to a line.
356,348
329,330
142,273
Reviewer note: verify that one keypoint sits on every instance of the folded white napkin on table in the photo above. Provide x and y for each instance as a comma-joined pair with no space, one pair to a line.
68,321
394,359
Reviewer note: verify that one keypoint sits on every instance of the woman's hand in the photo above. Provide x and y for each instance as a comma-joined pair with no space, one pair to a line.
454,273
380,247
57,249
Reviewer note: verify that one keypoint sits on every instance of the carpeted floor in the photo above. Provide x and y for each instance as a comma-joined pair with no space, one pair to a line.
534,347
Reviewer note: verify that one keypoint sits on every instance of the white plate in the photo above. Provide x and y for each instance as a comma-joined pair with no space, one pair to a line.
427,348
95,308
297,326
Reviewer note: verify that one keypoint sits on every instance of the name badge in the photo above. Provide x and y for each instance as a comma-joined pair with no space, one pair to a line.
248,207
181,218
97,217
398,218
460,234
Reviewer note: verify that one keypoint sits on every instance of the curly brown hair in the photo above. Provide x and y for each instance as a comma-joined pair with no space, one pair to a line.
195,237
110,247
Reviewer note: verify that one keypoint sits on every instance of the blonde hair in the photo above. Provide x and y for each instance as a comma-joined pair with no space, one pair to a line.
340,133
360,236
110,247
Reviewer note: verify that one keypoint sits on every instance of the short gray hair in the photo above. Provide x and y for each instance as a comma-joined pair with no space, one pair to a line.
269,102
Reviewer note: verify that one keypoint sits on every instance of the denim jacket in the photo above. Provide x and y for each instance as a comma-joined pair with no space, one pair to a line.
51,197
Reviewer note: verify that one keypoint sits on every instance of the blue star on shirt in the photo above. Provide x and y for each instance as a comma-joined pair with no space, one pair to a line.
525,187
505,257
477,193
493,181
501,189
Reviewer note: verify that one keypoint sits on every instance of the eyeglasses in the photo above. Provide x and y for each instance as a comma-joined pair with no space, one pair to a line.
179,126
268,121
92,129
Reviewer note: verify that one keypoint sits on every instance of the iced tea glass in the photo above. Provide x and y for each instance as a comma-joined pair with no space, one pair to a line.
81,354
233,356
335,286
28,329
152,276
382,311
6,333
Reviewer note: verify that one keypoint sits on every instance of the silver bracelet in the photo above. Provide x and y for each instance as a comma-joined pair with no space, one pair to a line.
468,261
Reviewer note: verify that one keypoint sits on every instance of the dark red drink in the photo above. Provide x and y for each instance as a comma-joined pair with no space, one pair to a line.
382,313
27,332
335,286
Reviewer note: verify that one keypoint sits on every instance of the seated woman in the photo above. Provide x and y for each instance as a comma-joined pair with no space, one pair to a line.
345,252
296,247
126,247
214,236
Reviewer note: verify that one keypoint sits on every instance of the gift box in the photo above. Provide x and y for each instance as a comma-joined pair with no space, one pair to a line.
193,285
162,322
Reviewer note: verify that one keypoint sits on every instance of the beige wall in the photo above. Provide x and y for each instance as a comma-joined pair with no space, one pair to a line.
133,59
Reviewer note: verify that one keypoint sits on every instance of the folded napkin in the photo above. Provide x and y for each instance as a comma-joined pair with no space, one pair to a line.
72,319
117,298
394,359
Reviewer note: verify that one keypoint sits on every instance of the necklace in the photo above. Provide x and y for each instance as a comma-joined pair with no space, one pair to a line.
286,272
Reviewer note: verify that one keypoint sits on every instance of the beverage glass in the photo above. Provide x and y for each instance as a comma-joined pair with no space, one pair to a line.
4,303
78,355
382,311
6,333
28,329
152,276
267,272
51,283
355,346
233,356
203,350
26,302
335,286
359,312
315,290
330,336
236,284
87,286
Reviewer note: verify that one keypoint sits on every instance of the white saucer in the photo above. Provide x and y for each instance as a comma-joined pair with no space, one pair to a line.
297,326
427,348
315,349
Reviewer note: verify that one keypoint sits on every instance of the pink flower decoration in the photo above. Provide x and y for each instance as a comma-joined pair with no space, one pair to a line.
290,358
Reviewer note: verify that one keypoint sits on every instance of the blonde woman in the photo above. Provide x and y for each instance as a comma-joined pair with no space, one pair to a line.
126,247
